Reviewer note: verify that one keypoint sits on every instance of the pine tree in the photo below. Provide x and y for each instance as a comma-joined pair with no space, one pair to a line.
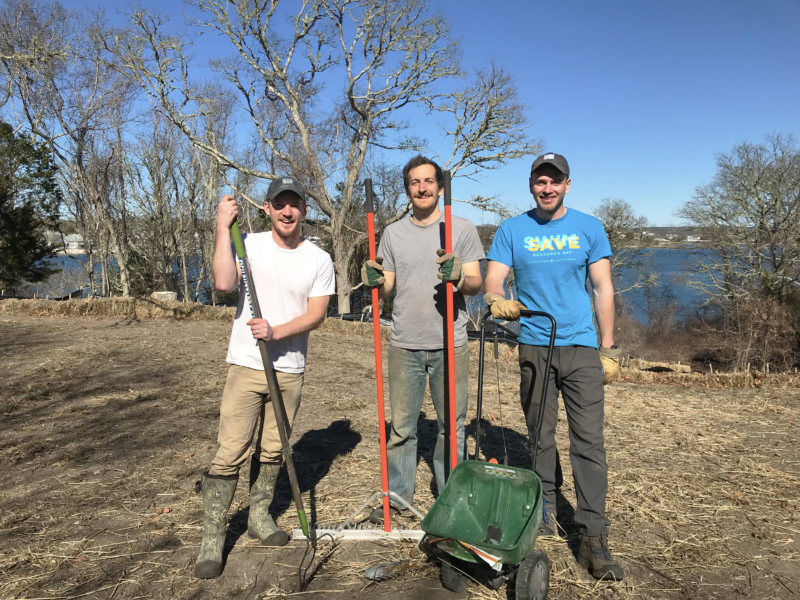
29,204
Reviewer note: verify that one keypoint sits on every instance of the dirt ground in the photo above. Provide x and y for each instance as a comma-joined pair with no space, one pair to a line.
108,423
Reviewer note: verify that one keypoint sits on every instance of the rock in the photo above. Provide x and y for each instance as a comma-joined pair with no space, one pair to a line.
165,296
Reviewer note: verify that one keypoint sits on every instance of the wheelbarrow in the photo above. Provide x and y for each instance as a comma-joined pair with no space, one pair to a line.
484,524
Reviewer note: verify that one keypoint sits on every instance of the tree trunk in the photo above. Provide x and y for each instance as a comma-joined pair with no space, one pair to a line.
343,250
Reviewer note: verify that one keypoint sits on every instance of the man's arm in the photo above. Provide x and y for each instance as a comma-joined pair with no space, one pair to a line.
495,296
496,273
223,266
386,289
600,276
313,318
472,278
317,307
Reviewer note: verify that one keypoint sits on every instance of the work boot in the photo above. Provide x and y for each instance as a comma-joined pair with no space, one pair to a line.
376,516
595,557
218,493
548,527
262,488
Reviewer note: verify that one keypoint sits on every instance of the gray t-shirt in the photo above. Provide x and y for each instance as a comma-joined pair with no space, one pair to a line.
409,250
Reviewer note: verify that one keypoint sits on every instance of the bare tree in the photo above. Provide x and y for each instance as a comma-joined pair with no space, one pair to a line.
630,261
372,58
750,213
152,160
60,86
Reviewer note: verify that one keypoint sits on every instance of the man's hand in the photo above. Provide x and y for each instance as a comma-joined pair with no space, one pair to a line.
372,273
449,268
227,212
501,308
609,357
261,329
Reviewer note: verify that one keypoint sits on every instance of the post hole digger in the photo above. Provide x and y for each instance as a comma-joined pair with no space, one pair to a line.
484,524
424,264
452,435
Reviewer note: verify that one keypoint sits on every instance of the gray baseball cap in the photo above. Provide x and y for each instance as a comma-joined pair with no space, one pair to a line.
550,158
285,184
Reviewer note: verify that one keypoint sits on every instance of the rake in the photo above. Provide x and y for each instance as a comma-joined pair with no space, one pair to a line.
353,528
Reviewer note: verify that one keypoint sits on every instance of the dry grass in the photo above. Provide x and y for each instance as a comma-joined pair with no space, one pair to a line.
129,308
109,419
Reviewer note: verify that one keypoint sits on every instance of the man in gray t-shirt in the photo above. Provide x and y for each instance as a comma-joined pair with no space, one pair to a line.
415,268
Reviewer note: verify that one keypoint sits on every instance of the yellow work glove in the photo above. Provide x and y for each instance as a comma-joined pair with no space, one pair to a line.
501,308
372,273
609,357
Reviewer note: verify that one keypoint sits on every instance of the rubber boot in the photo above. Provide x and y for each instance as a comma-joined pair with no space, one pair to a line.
218,493
262,488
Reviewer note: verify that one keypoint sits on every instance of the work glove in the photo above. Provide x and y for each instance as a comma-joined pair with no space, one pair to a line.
609,358
449,268
372,273
501,308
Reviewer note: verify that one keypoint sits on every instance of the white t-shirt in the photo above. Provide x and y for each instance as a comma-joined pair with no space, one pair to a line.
284,280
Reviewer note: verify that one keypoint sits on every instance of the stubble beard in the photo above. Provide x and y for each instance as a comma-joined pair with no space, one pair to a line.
549,212
292,233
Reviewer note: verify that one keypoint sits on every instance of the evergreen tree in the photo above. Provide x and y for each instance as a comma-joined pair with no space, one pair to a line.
29,204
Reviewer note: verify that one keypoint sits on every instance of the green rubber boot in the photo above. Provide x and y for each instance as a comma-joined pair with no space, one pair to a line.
262,488
218,493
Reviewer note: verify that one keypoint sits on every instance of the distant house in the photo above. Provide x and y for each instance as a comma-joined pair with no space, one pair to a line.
73,244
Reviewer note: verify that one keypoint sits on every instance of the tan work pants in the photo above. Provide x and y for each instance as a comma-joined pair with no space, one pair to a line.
245,401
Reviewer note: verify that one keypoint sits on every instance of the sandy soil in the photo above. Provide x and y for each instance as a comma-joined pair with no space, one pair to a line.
108,424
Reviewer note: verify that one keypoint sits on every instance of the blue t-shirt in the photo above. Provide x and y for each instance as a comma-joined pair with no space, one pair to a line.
550,260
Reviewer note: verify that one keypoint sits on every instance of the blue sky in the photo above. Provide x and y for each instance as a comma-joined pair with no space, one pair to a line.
639,95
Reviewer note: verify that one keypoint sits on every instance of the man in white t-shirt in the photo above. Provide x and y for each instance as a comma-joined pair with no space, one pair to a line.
293,280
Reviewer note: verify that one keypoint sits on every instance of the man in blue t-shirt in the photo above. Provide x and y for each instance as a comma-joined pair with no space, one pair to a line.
553,251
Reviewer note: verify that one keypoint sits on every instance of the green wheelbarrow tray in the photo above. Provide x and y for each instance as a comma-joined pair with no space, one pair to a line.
486,512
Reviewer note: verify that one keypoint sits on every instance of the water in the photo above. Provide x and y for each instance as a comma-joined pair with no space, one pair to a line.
73,279
671,266
671,290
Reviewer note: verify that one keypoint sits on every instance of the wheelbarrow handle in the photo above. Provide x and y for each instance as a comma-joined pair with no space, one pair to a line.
485,321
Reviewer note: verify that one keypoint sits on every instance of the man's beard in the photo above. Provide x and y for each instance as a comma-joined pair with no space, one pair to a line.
551,211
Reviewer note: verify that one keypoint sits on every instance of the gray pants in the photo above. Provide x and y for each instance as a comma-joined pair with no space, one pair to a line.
577,373
408,370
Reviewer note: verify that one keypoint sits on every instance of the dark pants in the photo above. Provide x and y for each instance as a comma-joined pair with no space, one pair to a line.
575,372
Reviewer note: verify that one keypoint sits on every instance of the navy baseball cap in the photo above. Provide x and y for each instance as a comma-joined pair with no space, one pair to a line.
285,184
550,158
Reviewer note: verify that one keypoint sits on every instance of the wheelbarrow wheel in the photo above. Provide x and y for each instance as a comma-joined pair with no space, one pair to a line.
533,577
453,579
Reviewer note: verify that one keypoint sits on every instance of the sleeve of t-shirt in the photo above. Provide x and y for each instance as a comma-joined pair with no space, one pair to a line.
470,248
501,246
325,279
600,247
385,251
